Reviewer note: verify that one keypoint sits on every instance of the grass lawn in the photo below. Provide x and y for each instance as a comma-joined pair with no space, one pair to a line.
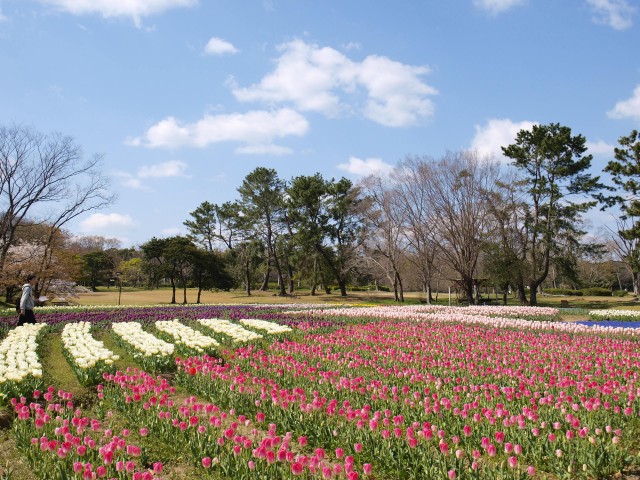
110,296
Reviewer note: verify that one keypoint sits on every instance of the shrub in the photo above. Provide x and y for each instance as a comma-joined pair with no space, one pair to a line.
619,293
563,291
596,292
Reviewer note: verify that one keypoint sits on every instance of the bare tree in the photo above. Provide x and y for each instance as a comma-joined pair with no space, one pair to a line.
48,172
385,218
411,191
458,197
627,249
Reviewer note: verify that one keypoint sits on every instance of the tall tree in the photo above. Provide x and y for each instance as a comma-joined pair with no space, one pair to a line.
625,174
202,227
554,165
343,230
505,251
154,264
208,272
386,224
98,268
179,255
458,188
262,203
39,170
306,210
411,191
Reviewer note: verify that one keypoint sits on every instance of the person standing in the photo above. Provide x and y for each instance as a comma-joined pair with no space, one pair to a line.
27,301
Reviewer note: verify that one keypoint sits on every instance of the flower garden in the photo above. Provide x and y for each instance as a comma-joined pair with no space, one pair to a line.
273,392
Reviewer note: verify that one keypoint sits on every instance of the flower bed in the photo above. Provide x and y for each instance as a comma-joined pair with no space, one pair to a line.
190,341
152,352
392,311
271,328
59,441
20,368
418,396
87,356
221,443
231,330
458,316
420,400
612,314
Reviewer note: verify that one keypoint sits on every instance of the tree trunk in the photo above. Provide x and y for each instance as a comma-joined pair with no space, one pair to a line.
173,291
396,297
533,295
522,294
398,281
199,292
265,281
184,293
290,274
314,277
467,285
342,283
247,278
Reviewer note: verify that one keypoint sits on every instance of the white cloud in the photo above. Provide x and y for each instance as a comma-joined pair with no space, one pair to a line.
3,18
497,6
369,166
615,13
174,168
325,80
629,108
101,222
130,181
600,148
253,128
269,149
495,134
218,46
136,9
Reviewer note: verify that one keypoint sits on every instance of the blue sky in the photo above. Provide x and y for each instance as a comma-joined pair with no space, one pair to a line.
185,97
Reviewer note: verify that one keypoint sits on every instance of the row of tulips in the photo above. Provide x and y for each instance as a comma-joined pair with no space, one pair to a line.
88,357
187,340
458,316
157,354
613,314
222,443
413,394
176,308
519,312
150,351
60,442
231,330
104,317
270,328
20,368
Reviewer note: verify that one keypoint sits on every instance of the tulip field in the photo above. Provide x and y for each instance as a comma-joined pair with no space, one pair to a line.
315,392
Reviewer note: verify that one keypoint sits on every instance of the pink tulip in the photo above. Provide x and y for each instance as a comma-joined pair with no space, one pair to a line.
297,468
